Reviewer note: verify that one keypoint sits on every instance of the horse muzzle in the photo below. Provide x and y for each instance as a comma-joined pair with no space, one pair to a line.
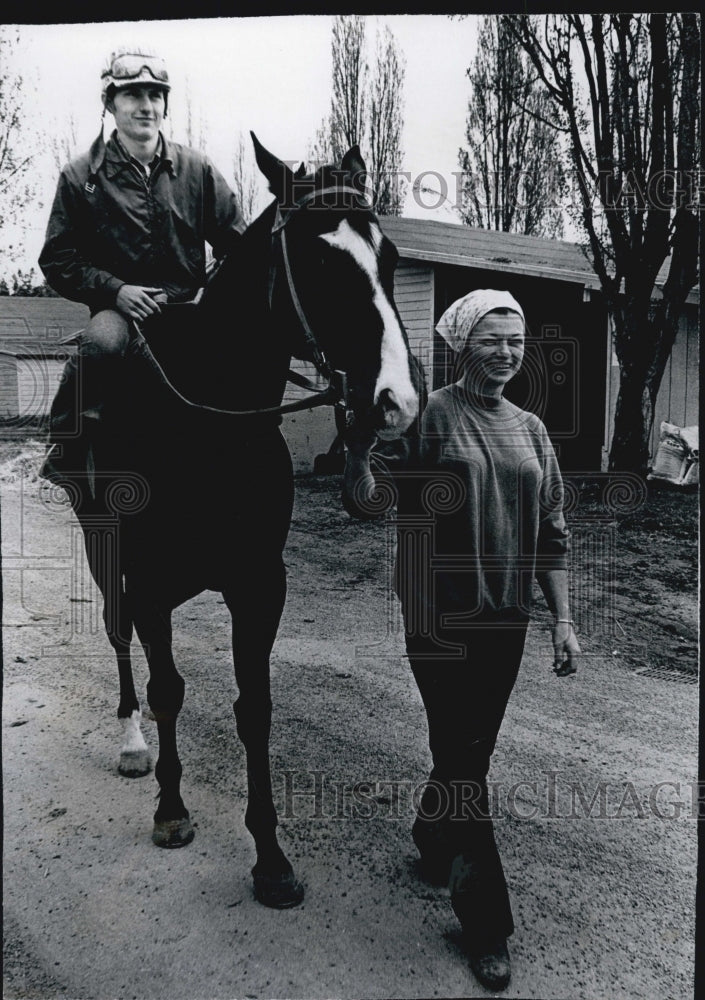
393,414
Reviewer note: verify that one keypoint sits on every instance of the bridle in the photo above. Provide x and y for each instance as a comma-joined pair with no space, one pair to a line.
336,393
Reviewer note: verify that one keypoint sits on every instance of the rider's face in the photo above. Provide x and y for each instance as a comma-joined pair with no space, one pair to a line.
138,111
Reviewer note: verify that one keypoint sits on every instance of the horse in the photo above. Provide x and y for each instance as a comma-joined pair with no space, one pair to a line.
195,478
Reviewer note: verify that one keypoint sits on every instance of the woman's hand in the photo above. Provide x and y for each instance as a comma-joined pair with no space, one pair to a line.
566,649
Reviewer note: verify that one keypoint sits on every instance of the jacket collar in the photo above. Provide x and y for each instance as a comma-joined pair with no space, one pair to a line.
111,156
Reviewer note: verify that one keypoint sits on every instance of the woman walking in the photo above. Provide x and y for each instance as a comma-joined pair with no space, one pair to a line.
489,507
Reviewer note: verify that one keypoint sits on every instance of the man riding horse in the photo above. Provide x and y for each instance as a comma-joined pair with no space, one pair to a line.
126,234
178,471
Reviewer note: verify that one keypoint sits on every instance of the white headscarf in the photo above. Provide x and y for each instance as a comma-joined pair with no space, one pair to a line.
459,319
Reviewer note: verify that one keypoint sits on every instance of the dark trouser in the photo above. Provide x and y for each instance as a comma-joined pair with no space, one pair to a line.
465,700
95,387
89,376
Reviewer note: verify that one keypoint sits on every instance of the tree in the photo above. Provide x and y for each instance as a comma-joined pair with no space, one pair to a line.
245,183
64,147
385,125
195,125
366,110
634,152
350,70
17,151
24,283
512,176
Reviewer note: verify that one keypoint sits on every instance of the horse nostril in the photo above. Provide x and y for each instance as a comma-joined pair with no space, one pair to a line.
387,400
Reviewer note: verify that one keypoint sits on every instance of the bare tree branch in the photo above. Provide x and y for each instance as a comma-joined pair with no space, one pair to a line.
642,73
17,149
366,109
512,178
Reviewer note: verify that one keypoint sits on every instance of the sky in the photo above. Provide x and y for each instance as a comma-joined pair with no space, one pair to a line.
268,74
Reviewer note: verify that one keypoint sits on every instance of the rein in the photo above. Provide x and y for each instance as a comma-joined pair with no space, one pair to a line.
336,392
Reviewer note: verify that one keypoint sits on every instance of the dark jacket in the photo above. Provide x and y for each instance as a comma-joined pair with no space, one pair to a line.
111,225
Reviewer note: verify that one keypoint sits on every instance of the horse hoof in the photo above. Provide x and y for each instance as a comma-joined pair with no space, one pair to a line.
173,832
280,892
134,763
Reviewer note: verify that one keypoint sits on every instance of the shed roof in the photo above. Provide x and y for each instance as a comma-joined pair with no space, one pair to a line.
464,246
38,324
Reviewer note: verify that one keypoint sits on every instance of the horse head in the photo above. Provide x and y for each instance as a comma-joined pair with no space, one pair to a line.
341,269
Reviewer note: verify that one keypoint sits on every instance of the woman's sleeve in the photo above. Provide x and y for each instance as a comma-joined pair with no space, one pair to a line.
410,461
554,537
431,433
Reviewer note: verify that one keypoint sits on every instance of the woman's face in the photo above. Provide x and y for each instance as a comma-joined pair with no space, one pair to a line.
494,351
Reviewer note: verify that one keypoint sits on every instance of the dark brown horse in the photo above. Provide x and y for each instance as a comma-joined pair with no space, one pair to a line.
190,464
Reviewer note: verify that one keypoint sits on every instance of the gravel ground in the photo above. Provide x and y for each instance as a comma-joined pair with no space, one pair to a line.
603,897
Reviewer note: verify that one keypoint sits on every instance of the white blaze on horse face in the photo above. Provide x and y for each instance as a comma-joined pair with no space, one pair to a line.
401,400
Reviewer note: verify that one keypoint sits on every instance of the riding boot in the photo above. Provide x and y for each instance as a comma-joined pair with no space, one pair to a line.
75,417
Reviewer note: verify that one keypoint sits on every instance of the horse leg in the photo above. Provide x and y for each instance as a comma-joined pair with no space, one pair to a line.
275,884
135,760
165,694
100,537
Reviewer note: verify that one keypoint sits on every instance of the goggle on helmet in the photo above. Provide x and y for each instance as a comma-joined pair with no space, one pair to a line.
128,68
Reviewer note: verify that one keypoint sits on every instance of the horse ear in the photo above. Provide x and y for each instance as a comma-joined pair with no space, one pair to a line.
300,170
276,172
354,165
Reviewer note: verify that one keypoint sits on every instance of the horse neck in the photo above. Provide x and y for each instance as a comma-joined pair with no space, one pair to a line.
241,280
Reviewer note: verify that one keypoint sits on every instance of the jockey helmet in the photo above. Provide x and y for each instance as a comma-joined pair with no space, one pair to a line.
127,67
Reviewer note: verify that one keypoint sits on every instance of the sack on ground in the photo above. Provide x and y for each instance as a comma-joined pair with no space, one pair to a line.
676,458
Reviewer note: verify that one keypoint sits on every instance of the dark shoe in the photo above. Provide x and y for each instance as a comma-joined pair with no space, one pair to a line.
490,964
435,851
480,901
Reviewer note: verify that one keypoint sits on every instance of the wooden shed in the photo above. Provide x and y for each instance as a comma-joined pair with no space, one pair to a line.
31,331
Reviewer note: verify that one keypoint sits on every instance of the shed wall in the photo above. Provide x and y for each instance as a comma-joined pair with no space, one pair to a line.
414,297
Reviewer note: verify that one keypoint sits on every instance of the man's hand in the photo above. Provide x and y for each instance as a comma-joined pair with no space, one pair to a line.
139,301
565,650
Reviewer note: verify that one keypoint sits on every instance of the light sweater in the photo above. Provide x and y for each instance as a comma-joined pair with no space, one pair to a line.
483,512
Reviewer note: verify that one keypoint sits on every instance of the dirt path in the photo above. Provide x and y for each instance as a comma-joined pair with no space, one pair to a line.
603,903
